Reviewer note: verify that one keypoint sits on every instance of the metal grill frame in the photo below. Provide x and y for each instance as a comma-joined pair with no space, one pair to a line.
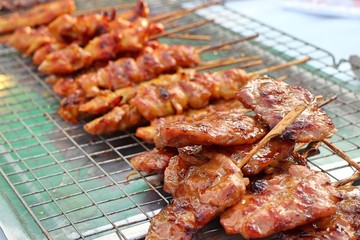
29,111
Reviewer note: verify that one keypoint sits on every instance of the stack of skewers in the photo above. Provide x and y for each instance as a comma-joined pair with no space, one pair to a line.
230,143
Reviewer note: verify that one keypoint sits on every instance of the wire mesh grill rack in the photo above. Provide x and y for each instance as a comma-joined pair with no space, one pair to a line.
77,186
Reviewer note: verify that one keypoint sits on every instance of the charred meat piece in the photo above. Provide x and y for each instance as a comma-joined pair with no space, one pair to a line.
272,100
342,225
280,203
216,128
204,193
38,15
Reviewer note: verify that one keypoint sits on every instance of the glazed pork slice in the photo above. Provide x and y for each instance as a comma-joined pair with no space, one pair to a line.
343,225
281,203
215,128
272,100
205,192
148,133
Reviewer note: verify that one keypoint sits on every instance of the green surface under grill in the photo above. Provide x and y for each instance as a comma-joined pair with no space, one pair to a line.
59,182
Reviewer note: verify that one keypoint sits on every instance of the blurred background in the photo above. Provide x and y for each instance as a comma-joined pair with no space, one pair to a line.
331,25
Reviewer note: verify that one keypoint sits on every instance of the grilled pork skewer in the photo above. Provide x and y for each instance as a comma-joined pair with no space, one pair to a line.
77,103
39,15
271,99
205,192
343,224
67,29
130,39
116,42
283,202
167,98
152,61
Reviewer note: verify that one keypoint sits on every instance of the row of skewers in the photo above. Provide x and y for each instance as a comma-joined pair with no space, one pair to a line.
217,160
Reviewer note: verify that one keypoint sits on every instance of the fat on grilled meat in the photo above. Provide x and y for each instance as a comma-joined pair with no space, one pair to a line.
344,224
283,202
272,100
205,191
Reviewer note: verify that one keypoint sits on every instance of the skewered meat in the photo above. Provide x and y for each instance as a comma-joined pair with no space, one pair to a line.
280,203
217,128
101,48
16,4
343,225
150,63
162,98
272,100
81,29
155,160
119,119
67,29
40,53
204,193
148,133
27,39
39,15
178,166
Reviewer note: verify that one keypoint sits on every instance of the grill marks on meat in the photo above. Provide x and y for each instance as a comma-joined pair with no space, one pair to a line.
344,224
272,100
283,202
169,96
216,128
204,193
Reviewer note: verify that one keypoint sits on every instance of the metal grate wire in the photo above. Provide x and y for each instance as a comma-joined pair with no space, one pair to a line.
77,186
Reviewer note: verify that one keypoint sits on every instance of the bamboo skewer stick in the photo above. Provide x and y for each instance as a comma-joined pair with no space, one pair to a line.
341,154
182,28
281,66
347,180
228,61
276,131
190,36
217,47
181,12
